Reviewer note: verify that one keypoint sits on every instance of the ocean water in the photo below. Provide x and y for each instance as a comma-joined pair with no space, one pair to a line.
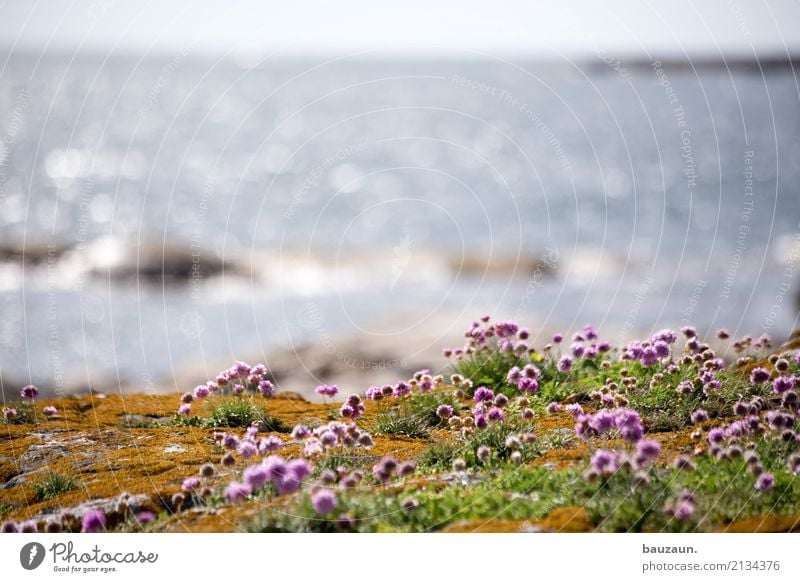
344,192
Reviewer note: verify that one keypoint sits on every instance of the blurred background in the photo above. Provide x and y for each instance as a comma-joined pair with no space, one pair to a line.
338,189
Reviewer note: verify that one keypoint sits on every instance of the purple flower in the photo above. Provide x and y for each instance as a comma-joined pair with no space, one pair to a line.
50,410
481,422
665,335
689,331
603,462
201,392
324,501
590,332
29,392
647,450
495,413
401,389
716,436
483,394
699,416
266,388
558,338
256,476
582,428
240,369
514,375
184,409
444,411
300,432
506,328
529,385
662,348
553,407
247,449
236,492
329,390
765,482
145,517
93,521
577,349
482,453
683,510
299,469
782,384
328,439
9,413
406,469
602,421
270,444
190,484
374,393
649,356
564,364
759,375
531,371
575,409
275,467
629,424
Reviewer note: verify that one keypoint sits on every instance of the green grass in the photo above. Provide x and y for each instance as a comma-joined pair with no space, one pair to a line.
490,369
393,422
26,414
53,485
440,456
724,493
414,416
235,413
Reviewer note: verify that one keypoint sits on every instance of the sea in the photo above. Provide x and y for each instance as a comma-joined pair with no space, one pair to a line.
324,197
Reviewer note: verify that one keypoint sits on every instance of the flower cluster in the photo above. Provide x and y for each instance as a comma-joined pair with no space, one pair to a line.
503,336
353,408
330,436
388,468
526,379
422,382
237,379
605,463
250,445
625,420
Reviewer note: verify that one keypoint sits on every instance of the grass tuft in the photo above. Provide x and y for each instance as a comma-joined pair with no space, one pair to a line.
53,485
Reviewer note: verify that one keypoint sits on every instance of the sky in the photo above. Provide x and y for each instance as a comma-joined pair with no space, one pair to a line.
533,28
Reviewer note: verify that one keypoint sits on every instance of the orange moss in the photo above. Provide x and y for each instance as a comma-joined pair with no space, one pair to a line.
765,524
566,520
489,526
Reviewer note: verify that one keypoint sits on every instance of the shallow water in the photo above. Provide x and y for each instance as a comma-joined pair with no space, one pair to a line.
351,190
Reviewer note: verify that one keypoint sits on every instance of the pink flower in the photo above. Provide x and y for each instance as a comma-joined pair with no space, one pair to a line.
201,392
50,410
256,476
29,392
236,492
329,390
765,482
324,501
184,409
93,521
444,411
